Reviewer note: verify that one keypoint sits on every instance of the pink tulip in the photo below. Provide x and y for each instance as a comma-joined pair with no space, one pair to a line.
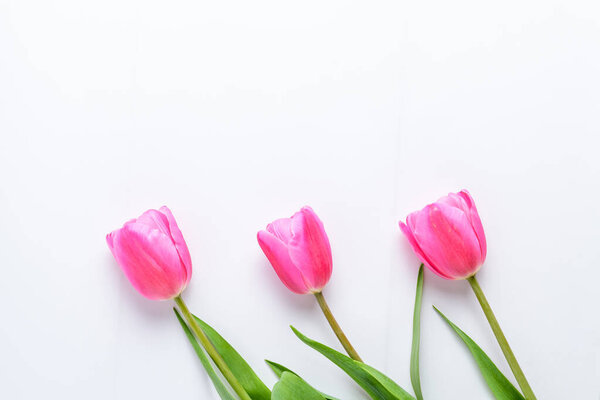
153,254
299,251
447,236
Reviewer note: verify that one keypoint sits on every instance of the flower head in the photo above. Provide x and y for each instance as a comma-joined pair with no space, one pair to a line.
153,254
448,236
299,251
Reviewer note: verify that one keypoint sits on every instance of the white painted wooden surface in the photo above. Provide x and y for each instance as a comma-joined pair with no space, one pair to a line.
235,113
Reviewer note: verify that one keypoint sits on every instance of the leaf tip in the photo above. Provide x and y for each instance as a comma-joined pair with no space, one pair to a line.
177,314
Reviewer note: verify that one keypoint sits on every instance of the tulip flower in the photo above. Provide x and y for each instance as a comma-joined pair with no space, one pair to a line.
153,255
447,236
299,251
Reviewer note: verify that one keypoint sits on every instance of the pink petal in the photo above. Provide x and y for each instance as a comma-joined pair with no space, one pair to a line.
180,245
277,254
445,234
415,246
149,260
454,200
155,220
309,248
282,229
475,221
109,241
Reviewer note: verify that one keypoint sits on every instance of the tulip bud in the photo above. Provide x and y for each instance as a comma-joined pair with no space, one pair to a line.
299,251
447,236
153,254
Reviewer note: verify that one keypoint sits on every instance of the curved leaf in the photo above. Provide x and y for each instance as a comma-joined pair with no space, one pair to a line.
497,382
222,389
292,387
376,384
388,383
280,369
255,388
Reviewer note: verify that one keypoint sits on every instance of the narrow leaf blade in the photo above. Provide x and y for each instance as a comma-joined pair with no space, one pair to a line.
388,383
280,369
500,386
255,388
292,387
415,377
221,388
359,372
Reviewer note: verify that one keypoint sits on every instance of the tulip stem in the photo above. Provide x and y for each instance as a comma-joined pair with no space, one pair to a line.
210,349
336,327
508,353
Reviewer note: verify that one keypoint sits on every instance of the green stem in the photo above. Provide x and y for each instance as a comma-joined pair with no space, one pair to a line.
415,377
336,327
508,353
210,349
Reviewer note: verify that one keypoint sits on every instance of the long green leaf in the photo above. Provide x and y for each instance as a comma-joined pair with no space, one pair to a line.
255,388
388,383
280,369
292,387
415,377
497,382
222,389
376,384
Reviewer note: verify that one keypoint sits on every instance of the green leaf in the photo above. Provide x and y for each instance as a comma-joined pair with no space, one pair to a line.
255,388
376,384
415,377
388,383
498,383
292,387
280,369
216,380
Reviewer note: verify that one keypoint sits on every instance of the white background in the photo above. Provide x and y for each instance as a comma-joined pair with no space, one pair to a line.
235,113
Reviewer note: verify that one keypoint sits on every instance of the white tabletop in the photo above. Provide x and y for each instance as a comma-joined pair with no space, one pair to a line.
235,113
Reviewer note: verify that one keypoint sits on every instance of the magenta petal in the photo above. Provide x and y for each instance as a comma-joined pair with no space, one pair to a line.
422,256
445,234
149,260
282,229
155,220
277,254
180,243
454,200
309,249
448,236
109,241
475,222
